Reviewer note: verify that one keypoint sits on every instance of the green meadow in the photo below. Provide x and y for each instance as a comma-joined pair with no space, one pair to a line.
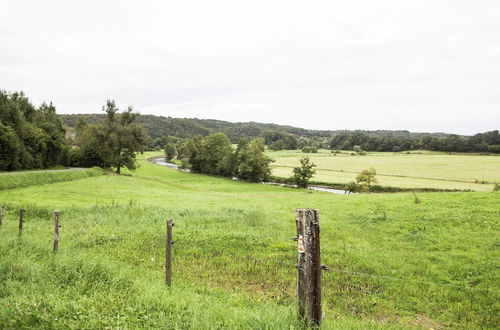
419,169
398,261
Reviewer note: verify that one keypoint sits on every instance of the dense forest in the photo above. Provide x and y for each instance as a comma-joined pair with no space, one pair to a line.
167,129
482,142
30,137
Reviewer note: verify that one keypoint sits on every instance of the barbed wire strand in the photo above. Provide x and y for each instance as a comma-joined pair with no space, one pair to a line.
343,271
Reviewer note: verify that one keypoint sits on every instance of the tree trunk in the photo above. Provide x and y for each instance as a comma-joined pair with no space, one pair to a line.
118,169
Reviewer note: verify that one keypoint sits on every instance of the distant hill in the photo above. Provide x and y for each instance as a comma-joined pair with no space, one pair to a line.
158,126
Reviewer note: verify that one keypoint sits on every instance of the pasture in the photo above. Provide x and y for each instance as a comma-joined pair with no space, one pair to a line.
420,169
395,263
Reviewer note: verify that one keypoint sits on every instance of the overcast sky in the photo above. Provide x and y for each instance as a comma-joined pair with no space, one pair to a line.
416,65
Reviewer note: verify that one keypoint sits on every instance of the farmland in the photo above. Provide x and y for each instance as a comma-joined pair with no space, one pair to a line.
398,263
415,170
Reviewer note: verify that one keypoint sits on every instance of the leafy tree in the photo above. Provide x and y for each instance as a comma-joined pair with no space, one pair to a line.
113,143
303,173
250,161
277,145
31,137
211,155
366,178
170,151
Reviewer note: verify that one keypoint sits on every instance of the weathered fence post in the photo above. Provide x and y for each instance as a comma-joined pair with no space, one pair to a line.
1,215
301,284
56,230
168,253
309,267
21,220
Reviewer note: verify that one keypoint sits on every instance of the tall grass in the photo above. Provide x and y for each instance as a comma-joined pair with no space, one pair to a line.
234,259
11,181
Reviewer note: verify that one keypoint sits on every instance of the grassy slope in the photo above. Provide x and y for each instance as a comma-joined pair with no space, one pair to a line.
233,243
431,170
11,181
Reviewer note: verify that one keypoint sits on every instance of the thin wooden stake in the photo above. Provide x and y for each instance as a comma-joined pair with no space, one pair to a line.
56,230
168,253
21,220
1,215
309,268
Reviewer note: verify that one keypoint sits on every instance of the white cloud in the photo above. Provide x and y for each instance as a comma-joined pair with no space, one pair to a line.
416,65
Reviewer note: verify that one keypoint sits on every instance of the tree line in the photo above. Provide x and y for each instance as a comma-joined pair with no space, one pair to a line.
481,142
214,154
161,130
30,137
34,137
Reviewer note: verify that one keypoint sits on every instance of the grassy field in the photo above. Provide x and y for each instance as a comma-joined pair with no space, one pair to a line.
234,259
417,170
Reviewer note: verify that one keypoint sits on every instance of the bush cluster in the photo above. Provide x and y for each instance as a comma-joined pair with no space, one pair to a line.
215,155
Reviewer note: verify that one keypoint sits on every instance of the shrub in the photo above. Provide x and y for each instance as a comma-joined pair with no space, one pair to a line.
310,150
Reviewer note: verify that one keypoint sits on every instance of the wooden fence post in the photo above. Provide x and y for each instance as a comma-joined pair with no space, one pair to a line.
21,220
168,253
56,230
1,215
309,268
301,284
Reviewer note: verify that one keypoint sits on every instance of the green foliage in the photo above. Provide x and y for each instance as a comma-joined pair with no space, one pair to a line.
30,137
215,155
366,178
113,143
277,145
250,161
310,150
293,137
397,141
211,155
303,173
353,187
359,150
170,151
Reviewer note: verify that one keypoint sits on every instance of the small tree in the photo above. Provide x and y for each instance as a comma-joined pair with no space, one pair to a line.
303,173
170,151
366,178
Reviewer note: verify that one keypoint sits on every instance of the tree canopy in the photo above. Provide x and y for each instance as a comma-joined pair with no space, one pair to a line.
304,172
30,137
113,143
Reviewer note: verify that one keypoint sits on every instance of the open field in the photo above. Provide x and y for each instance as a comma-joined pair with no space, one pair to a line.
234,260
418,170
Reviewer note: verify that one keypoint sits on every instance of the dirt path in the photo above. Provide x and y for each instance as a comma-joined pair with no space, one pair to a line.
46,171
